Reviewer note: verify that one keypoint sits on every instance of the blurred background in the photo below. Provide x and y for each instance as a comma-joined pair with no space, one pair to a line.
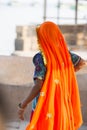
18,19
15,13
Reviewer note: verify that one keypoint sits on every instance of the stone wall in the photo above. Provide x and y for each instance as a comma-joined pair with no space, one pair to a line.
75,34
26,36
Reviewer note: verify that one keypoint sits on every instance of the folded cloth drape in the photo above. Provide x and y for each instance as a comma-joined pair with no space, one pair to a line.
58,107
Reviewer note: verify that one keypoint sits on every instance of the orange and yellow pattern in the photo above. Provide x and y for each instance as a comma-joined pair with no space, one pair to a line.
58,107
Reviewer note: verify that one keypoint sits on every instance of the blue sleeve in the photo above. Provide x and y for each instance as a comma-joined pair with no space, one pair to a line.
75,58
40,68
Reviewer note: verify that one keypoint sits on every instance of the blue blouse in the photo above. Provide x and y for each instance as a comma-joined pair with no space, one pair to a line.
40,69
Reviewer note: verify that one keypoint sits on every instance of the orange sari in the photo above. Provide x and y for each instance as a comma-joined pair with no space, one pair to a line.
58,107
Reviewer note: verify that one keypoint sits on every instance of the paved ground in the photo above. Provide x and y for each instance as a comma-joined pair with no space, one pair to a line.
22,126
17,125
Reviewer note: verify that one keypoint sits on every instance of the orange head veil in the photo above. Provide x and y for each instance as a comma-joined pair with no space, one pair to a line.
58,107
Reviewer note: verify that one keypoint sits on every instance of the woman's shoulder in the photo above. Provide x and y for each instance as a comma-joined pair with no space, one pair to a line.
75,58
40,68
38,58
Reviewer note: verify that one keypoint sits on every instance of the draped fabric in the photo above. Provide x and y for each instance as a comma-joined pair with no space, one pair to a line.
58,106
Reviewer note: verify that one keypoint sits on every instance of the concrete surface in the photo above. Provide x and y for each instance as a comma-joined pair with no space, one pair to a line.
16,70
22,126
